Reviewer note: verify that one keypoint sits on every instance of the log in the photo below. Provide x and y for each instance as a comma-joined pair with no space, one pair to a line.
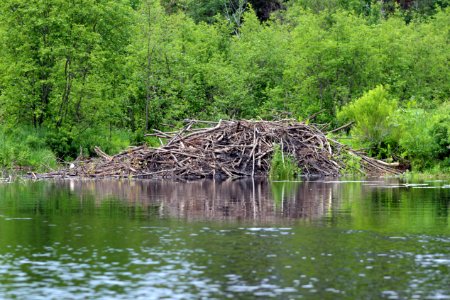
228,149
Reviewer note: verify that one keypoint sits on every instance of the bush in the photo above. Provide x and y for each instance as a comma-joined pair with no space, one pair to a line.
25,147
67,144
352,164
414,136
424,136
112,141
39,148
440,131
371,114
413,133
61,142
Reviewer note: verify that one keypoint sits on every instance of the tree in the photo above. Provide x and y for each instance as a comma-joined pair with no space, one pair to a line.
62,62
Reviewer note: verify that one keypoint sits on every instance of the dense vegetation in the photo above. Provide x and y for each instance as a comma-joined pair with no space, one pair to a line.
74,74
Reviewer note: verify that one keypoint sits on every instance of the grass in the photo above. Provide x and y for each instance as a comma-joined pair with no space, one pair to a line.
426,174
283,166
25,147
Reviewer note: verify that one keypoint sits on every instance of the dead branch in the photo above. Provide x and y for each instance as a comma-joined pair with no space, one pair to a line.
228,149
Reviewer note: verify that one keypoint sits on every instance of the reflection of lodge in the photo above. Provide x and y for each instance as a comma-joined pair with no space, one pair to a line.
309,200
208,199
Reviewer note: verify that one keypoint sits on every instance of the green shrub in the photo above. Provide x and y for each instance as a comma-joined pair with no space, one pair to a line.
423,135
418,135
414,136
68,144
111,141
25,147
6,152
283,166
39,149
371,116
61,142
352,164
440,131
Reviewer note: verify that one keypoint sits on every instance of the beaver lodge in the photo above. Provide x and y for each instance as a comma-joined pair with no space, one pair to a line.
227,149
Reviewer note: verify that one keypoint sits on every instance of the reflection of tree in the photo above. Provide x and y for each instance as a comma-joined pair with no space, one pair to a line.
208,199
364,205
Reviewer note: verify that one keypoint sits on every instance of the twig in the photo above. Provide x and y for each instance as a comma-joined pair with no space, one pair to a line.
342,127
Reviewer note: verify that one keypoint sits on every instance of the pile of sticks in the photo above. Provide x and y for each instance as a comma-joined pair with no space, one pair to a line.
226,149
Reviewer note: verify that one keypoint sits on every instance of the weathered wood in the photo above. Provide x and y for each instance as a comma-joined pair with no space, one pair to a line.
229,149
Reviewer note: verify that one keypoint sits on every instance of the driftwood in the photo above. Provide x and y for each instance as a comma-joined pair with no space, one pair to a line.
227,149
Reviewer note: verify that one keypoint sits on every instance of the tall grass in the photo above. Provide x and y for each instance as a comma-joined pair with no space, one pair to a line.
40,149
25,147
283,166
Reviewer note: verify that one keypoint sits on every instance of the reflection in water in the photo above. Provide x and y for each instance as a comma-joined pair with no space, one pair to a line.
208,199
131,240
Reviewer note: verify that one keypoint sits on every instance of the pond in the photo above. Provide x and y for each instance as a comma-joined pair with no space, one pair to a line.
243,239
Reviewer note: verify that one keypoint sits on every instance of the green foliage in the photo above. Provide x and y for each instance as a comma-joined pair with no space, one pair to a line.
283,166
106,72
25,147
423,136
39,149
204,10
70,144
62,63
352,164
414,136
371,114
408,9
440,131
419,135
209,10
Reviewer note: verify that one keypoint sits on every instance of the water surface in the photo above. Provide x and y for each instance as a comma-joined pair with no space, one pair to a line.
244,239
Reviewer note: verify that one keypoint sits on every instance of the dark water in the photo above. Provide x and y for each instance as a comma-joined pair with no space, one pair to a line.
232,239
